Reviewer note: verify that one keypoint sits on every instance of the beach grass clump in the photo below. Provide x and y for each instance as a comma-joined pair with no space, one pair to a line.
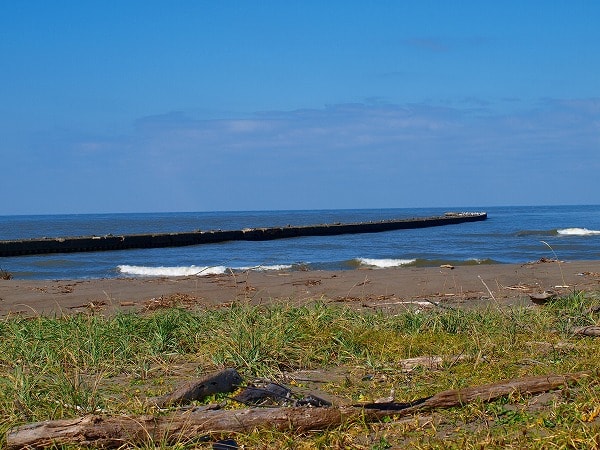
58,367
5,274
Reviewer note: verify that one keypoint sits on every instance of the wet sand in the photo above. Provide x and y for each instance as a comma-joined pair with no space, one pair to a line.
380,289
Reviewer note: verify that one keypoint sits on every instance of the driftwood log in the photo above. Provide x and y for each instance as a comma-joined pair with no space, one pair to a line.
110,432
590,330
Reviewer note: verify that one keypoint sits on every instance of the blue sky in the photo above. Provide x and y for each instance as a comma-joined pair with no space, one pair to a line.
135,106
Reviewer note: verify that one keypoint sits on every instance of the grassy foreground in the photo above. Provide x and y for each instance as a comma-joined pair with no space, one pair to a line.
63,367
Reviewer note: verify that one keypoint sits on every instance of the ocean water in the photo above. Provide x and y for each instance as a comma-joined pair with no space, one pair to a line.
509,235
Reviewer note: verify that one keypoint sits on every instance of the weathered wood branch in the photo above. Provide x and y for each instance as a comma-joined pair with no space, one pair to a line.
590,330
113,432
489,392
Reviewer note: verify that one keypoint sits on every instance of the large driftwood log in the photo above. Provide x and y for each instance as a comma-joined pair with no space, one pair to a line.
113,432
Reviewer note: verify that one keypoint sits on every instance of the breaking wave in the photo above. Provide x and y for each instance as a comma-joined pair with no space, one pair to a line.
577,232
419,262
560,232
384,263
183,271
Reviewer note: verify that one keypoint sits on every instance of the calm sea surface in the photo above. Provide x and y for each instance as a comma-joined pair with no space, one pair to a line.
509,235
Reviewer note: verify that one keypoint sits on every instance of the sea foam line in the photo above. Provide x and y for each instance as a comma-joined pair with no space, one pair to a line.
577,232
263,268
162,271
182,271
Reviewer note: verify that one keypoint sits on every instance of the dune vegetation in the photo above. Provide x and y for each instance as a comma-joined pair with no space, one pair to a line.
74,365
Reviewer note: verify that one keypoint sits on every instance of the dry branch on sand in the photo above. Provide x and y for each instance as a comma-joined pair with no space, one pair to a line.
178,426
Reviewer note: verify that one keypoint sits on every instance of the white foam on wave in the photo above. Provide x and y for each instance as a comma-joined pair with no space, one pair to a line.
384,263
262,268
182,271
477,261
146,271
577,232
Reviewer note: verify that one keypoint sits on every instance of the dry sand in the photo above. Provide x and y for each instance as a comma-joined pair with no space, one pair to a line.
382,289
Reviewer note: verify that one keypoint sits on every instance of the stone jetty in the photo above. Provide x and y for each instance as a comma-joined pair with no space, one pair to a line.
155,240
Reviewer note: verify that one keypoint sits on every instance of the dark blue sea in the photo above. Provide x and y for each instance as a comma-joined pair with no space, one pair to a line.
509,235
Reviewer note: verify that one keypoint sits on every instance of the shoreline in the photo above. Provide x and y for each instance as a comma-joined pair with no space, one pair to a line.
378,289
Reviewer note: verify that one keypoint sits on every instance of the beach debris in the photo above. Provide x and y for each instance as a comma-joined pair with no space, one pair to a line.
547,260
5,274
487,287
439,305
249,288
91,306
424,304
521,287
389,399
177,299
447,266
313,400
57,288
309,282
455,296
215,383
429,362
589,274
269,393
363,300
266,394
544,261
548,346
594,309
225,444
542,298
66,289
590,330
118,430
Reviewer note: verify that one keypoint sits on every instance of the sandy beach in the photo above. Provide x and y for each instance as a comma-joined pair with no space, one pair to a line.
380,289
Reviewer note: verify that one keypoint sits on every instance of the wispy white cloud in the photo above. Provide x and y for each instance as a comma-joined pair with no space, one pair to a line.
468,134
466,153
352,126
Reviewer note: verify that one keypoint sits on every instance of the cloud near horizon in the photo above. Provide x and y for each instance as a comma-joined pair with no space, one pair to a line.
559,129
383,154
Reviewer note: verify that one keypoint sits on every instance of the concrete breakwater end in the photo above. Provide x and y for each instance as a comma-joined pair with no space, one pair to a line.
109,242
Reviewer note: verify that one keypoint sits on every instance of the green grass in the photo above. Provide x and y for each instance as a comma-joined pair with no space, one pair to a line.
62,367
